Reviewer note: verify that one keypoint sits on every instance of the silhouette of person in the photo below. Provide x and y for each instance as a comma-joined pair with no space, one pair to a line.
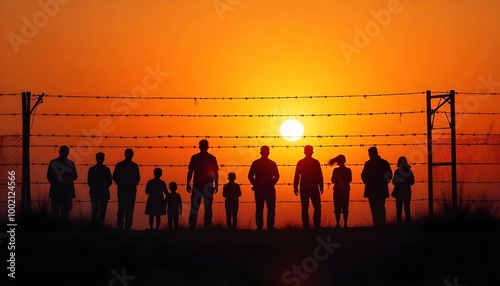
376,174
99,179
174,206
231,191
126,176
341,179
61,174
263,175
205,168
155,205
403,180
308,173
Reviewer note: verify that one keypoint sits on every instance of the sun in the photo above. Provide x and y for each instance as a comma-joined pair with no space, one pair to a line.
292,130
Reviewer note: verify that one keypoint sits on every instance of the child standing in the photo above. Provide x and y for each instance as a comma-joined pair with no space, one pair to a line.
155,206
341,179
174,206
231,192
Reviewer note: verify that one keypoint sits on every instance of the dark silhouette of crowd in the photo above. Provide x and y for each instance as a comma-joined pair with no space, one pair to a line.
202,184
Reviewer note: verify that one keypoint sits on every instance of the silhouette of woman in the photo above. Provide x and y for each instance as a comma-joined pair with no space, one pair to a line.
403,180
341,179
155,206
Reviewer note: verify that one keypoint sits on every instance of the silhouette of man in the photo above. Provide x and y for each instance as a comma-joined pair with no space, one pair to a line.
376,176
263,175
61,174
205,169
308,173
126,176
99,180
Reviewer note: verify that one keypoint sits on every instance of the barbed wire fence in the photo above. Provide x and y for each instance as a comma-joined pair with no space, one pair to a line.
477,168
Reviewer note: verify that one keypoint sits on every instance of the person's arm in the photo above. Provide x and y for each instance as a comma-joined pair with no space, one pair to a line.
251,176
138,175
388,172
349,174
109,179
90,177
116,174
216,182
74,173
180,204
411,178
189,177
320,177
364,174
296,179
276,174
239,190
148,188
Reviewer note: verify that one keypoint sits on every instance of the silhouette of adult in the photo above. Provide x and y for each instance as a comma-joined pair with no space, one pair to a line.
308,173
205,169
263,175
126,176
341,179
99,179
376,175
61,174
403,180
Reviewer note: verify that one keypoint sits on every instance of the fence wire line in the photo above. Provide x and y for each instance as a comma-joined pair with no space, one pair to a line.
269,97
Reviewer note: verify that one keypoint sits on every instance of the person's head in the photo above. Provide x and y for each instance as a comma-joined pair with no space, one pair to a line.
203,145
231,176
99,157
339,160
403,163
64,151
372,152
172,186
158,172
264,151
308,150
129,154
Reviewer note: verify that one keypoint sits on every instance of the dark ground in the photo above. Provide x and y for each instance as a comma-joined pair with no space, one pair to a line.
419,254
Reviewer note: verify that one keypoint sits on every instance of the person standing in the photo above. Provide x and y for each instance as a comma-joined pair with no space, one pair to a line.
156,189
61,174
403,180
308,173
263,175
205,169
126,176
341,179
231,192
174,206
376,176
99,179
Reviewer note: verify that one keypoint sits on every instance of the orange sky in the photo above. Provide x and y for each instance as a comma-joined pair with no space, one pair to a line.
206,48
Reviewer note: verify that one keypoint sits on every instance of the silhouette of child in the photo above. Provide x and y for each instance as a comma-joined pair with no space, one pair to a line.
155,206
341,179
174,206
231,192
